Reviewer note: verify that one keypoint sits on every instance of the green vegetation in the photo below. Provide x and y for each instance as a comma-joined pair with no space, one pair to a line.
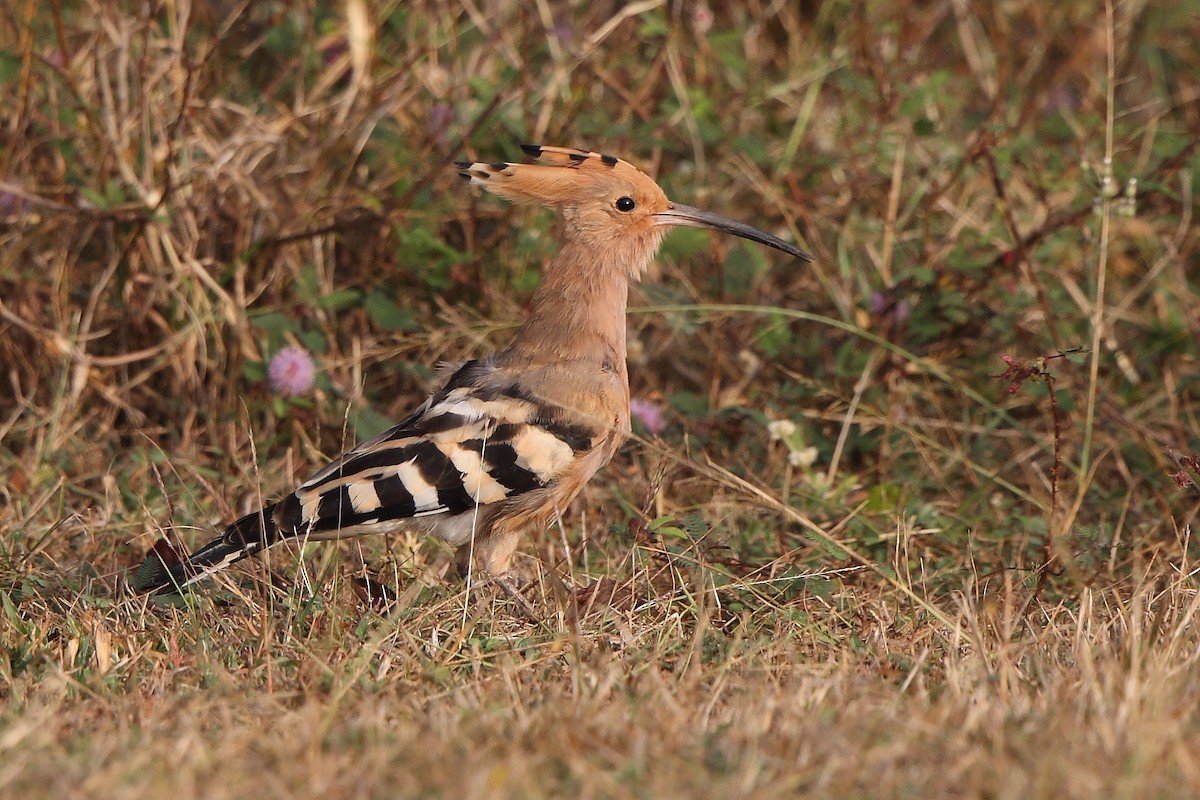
917,521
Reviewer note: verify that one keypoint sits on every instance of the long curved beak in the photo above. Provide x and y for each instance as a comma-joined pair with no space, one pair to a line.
679,214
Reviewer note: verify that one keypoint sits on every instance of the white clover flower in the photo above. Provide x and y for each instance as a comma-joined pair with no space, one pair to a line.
803,458
781,429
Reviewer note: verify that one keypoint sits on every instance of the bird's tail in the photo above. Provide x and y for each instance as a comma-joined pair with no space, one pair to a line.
164,572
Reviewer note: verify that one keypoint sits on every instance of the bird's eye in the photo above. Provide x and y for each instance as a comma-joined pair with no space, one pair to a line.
626,204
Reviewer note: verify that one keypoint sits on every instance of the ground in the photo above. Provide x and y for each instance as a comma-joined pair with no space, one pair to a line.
913,520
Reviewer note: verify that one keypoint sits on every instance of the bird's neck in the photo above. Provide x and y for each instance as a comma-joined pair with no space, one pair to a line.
577,314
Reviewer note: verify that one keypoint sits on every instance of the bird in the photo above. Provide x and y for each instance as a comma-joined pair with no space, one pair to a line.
508,440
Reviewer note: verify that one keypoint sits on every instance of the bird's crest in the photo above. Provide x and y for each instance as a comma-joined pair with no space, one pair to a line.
565,176
574,158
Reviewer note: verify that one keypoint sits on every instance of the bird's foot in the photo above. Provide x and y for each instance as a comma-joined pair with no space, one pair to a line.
511,584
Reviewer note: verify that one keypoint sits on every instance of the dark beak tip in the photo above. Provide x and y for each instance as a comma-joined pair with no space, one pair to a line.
679,214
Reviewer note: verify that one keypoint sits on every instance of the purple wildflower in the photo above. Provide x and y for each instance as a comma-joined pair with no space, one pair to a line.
1063,97
649,415
888,307
437,124
563,30
702,18
12,204
291,371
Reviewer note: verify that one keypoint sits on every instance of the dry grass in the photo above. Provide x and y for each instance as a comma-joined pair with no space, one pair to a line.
968,592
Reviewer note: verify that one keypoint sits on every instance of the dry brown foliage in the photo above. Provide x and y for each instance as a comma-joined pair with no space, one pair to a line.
926,586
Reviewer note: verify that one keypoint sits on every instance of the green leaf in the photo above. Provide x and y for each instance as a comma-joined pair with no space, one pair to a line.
308,285
254,371
422,252
820,588
773,336
272,322
14,616
367,422
387,315
660,521
883,497
336,301
695,525
314,341
730,49
686,244
690,405
743,266
10,66
654,26
661,527
95,198
671,532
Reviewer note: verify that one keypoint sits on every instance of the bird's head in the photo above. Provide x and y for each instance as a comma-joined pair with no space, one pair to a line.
608,205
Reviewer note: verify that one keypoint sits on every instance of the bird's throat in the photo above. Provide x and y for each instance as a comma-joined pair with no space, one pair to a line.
577,313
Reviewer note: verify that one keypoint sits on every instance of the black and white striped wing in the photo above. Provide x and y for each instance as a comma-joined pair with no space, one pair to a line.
476,443
467,447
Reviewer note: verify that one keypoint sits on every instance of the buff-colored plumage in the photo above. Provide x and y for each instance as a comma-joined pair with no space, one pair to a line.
508,441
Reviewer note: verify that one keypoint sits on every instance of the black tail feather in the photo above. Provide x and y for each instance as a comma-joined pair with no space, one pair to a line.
251,534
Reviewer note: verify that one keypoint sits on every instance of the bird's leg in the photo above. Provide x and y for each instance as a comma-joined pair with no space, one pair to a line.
511,589
494,554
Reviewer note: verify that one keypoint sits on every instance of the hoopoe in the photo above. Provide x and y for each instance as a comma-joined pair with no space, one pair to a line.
509,440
